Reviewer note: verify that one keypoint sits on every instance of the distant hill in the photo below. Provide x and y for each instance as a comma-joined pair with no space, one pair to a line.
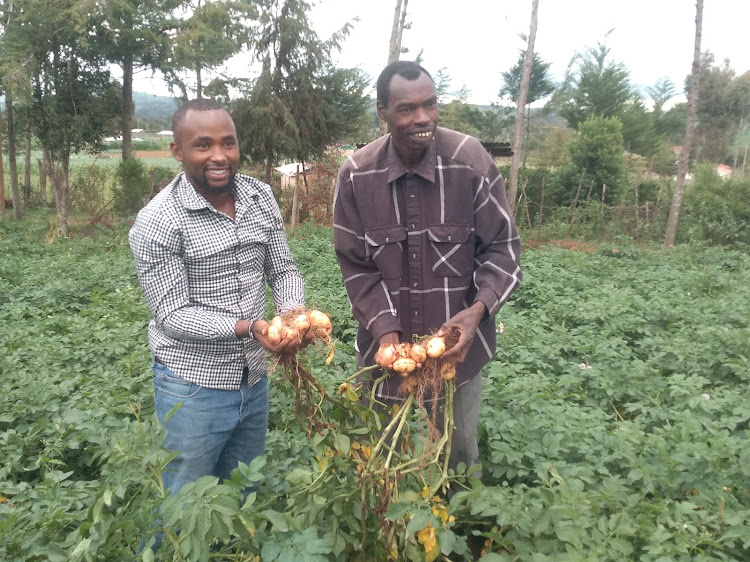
149,107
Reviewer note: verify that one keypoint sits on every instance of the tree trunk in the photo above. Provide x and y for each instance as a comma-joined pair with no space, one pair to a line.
198,82
520,106
43,174
127,107
737,146
27,166
394,47
397,31
269,164
526,140
575,204
12,162
57,172
2,171
541,204
295,210
679,188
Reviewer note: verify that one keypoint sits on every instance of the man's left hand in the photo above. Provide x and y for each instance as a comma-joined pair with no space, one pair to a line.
285,346
466,322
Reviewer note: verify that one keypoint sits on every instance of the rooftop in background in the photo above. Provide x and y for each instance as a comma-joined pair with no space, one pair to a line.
498,149
292,169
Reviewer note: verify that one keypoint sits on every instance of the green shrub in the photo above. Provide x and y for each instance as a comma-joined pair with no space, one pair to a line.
160,176
132,187
716,210
88,189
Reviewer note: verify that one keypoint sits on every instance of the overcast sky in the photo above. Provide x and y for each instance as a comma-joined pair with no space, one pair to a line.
476,40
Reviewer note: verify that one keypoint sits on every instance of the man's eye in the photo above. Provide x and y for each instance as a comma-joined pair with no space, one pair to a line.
407,109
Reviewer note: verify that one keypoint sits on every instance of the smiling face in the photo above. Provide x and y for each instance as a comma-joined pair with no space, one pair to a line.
411,115
206,144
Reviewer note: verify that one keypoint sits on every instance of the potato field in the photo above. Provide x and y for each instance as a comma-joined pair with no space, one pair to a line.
615,421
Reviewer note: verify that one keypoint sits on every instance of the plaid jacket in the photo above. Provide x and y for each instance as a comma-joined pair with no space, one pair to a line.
416,248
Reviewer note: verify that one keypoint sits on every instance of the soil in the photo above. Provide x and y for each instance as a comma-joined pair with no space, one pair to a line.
142,154
564,244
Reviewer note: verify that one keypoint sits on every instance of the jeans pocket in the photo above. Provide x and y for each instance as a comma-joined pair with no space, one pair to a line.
166,382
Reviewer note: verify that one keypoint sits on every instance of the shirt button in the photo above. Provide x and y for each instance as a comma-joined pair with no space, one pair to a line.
415,284
449,239
388,239
412,196
416,313
413,227
414,256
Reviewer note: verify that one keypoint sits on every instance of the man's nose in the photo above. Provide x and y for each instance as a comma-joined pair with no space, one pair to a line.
218,153
422,115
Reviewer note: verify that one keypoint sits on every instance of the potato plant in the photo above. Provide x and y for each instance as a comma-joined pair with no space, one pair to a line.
614,424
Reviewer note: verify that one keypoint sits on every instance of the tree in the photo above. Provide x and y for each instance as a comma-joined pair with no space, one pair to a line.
457,114
540,86
2,172
738,101
213,33
601,88
540,83
715,123
12,164
521,106
134,35
661,93
597,154
295,107
679,188
638,128
555,147
13,82
74,101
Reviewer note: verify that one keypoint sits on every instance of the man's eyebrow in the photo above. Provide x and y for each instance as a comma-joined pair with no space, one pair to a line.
209,139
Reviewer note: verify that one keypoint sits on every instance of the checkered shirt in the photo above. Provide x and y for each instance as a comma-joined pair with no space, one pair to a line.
417,248
201,272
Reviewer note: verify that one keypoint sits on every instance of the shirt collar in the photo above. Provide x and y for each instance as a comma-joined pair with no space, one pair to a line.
194,201
426,168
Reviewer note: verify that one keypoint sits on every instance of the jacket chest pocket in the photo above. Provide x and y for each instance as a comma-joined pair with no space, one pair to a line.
385,246
451,250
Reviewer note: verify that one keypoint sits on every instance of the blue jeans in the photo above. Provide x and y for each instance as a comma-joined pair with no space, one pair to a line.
213,430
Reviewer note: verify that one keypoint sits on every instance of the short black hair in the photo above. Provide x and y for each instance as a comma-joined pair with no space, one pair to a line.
404,68
200,104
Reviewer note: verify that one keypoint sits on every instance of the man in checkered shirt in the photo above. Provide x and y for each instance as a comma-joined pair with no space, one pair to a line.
426,241
204,248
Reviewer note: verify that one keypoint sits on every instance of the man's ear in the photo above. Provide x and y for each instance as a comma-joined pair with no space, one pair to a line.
176,152
381,111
